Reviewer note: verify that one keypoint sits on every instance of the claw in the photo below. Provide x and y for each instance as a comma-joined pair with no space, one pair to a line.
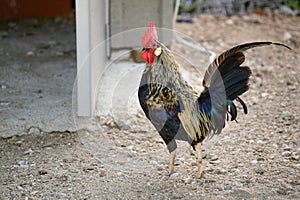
200,173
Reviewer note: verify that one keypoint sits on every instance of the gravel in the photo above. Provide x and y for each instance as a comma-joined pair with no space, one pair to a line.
256,158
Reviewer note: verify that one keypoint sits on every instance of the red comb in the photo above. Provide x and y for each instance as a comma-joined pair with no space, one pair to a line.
149,37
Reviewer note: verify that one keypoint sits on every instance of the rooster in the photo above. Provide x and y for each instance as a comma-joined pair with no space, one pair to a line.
175,109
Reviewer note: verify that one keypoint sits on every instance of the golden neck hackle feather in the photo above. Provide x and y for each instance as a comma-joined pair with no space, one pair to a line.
164,73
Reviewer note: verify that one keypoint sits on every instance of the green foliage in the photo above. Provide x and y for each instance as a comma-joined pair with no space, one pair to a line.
294,4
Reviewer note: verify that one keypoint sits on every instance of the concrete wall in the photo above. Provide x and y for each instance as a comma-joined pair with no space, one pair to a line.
128,15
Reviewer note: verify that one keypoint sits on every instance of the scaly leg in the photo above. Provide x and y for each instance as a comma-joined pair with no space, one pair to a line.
172,160
199,160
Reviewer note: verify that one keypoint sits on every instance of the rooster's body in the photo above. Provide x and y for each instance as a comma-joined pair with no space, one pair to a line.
175,109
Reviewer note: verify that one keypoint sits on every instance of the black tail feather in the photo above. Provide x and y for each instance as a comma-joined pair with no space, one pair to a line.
243,104
232,111
224,81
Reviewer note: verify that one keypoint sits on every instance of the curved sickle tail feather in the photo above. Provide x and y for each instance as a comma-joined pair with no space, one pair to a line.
224,81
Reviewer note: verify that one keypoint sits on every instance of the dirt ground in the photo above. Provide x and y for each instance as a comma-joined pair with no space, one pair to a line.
38,67
256,158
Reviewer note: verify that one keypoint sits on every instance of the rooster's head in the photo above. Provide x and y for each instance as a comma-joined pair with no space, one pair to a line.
151,48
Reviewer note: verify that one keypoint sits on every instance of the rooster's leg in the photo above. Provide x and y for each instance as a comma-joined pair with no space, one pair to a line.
172,149
199,160
172,161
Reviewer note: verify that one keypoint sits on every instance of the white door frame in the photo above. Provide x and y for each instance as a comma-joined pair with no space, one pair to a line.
91,52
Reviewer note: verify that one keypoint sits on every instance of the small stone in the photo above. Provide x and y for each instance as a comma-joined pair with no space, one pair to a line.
260,159
279,130
292,87
122,125
34,192
260,171
29,151
240,165
238,184
12,195
187,181
246,17
123,145
289,82
30,53
20,188
181,159
22,163
174,175
4,103
241,194
88,168
214,158
258,80
227,187
43,172
61,194
209,169
286,154
19,142
119,173
254,162
286,147
264,94
282,191
59,53
214,162
153,162
287,36
286,113
220,171
34,131
102,173
111,123
295,157
260,142
230,22
3,86
130,147
267,69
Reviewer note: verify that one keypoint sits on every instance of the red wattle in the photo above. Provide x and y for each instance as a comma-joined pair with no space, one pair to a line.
148,56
